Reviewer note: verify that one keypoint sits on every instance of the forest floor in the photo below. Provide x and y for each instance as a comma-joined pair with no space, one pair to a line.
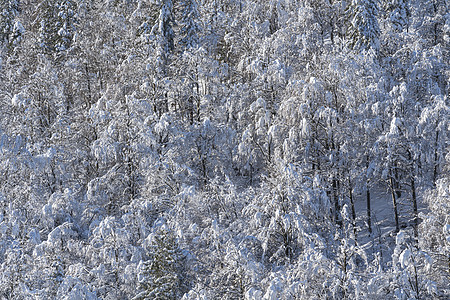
382,238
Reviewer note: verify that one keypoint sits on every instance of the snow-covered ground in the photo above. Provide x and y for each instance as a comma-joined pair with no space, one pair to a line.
383,234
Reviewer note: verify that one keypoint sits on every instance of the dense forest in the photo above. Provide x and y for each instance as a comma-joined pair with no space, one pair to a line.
224,149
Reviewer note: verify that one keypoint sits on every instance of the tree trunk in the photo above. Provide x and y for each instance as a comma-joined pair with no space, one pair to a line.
415,210
394,202
369,214
436,158
352,203
396,183
88,81
336,202
414,197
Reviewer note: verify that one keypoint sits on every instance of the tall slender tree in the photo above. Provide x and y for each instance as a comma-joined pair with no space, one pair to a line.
363,30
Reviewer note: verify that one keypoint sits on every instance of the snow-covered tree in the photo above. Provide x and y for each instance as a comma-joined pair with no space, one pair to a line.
435,234
199,149
398,14
57,25
11,29
161,276
410,267
363,30
189,23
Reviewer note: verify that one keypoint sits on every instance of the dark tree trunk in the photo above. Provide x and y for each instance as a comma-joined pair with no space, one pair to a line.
436,158
394,202
415,210
396,183
369,214
88,81
352,203
414,197
336,202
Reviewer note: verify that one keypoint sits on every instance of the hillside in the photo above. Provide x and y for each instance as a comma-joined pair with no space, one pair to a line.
212,149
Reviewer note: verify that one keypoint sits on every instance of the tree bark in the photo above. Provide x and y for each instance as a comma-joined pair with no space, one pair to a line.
436,158
415,210
369,214
352,203
336,202
394,202
414,197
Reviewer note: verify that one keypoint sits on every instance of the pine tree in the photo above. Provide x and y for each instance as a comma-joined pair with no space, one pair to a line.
11,29
398,14
160,276
57,25
363,28
164,35
189,24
